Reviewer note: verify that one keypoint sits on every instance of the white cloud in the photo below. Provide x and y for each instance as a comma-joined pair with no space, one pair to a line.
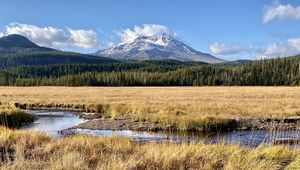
281,12
228,49
54,37
281,49
84,38
146,30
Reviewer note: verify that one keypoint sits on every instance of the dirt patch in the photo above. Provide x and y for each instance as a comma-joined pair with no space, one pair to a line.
121,124
288,123
89,116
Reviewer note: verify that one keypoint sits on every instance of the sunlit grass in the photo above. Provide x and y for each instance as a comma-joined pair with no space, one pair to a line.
186,108
31,150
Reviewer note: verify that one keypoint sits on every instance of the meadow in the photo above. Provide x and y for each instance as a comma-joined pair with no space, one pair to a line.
186,108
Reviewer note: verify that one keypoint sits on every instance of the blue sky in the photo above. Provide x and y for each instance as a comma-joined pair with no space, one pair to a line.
231,29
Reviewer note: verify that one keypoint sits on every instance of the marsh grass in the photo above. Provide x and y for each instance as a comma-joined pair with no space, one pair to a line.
31,150
13,117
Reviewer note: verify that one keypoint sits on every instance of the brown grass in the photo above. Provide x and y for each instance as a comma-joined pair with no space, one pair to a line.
184,107
26,150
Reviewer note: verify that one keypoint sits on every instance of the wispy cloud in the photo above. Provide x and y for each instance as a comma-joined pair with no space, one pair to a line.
281,12
86,39
228,49
286,48
282,49
55,37
145,30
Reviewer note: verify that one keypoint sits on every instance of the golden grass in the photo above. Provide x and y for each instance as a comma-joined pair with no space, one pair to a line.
184,101
26,150
183,107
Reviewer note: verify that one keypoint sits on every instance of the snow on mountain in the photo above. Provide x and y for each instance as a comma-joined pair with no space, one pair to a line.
156,48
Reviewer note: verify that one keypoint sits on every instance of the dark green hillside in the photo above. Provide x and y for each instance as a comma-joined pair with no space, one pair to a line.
16,50
49,57
17,43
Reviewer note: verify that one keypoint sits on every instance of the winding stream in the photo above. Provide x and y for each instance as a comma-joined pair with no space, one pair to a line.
55,122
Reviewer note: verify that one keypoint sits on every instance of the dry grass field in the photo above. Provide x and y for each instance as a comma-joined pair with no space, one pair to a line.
185,101
184,107
28,150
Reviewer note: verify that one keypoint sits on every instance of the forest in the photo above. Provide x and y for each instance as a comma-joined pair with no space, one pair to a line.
272,72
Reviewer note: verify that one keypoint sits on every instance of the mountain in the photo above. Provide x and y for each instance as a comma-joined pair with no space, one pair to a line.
156,48
16,43
17,50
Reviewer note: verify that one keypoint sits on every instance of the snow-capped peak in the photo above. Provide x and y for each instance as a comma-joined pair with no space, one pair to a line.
162,40
157,47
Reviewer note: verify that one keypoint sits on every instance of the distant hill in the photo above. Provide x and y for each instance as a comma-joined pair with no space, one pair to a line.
16,43
17,50
157,48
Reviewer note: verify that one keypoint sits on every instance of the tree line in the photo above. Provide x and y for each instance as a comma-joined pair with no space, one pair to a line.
273,72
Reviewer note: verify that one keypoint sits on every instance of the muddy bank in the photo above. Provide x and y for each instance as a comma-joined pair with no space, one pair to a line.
280,124
291,123
122,124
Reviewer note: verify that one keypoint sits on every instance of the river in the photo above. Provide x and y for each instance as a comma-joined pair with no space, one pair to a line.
55,122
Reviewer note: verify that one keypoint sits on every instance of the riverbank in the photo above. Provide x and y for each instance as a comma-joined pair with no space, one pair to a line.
101,119
28,150
282,124
13,117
